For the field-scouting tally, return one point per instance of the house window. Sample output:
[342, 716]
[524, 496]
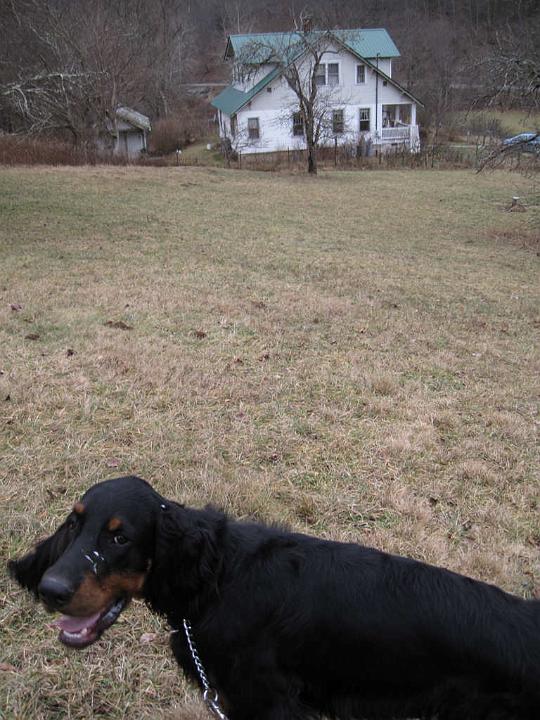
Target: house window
[365, 123]
[333, 74]
[320, 74]
[360, 74]
[337, 122]
[253, 128]
[327, 74]
[238, 73]
[298, 124]
[233, 125]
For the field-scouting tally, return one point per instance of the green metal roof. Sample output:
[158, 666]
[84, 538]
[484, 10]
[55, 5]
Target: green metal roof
[231, 100]
[257, 47]
[260, 48]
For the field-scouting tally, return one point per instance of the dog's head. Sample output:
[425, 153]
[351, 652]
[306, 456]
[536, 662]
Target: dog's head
[97, 560]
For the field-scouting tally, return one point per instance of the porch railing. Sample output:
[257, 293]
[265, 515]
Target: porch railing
[396, 134]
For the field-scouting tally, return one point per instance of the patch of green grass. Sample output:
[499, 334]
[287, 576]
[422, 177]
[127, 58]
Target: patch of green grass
[512, 122]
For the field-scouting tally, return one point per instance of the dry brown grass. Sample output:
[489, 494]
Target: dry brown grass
[356, 355]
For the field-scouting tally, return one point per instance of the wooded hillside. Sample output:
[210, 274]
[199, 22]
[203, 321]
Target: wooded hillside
[64, 64]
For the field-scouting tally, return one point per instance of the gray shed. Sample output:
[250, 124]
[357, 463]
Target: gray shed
[130, 132]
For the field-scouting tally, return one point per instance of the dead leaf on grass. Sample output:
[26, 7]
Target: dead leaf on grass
[147, 638]
[16, 307]
[32, 336]
[199, 334]
[113, 462]
[6, 667]
[118, 325]
[54, 492]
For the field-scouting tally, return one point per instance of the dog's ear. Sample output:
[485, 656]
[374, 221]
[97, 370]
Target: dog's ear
[186, 555]
[29, 569]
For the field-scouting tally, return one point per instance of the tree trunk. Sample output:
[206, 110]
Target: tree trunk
[311, 160]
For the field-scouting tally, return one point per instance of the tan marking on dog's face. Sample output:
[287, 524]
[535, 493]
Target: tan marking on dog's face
[114, 524]
[78, 508]
[93, 596]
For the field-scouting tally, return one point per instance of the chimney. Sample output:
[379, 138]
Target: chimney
[307, 23]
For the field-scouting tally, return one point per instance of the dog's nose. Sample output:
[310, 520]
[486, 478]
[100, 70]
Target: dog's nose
[55, 592]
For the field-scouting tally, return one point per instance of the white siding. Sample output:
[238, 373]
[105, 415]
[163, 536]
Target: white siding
[252, 79]
[275, 104]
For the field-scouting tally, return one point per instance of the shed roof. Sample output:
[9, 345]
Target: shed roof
[133, 117]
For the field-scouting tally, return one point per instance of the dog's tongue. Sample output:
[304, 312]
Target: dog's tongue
[76, 624]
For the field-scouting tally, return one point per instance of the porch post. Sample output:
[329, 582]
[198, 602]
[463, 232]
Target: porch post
[397, 117]
[413, 113]
[378, 122]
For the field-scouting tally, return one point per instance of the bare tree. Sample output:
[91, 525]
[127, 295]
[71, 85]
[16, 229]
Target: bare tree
[511, 70]
[298, 57]
[79, 60]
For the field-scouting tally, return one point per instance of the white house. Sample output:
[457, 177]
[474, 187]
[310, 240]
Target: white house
[363, 105]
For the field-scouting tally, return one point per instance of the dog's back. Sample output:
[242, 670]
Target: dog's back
[368, 634]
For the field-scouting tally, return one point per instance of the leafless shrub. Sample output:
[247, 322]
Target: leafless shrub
[187, 125]
[348, 157]
[28, 150]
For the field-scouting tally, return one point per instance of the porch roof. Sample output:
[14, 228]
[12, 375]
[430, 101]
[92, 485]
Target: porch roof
[230, 100]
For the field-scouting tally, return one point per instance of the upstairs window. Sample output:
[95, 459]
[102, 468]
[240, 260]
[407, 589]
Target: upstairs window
[253, 128]
[337, 122]
[238, 73]
[333, 74]
[298, 124]
[360, 74]
[320, 75]
[327, 74]
[365, 121]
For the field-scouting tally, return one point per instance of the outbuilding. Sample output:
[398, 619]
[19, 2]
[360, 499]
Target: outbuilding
[129, 130]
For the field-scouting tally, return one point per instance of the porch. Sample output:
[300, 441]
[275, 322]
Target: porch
[401, 136]
[399, 128]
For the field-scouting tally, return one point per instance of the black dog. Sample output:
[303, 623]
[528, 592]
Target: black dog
[289, 626]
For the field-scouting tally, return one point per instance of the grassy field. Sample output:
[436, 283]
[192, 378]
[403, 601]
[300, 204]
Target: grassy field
[356, 355]
[512, 122]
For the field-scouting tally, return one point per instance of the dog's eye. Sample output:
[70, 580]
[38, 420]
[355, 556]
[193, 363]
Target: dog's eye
[120, 540]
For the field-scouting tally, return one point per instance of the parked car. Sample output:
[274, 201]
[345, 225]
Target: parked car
[528, 142]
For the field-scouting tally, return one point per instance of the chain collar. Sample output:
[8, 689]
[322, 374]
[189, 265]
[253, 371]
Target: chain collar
[210, 694]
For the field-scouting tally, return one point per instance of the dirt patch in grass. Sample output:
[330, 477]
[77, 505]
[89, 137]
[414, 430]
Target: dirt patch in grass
[521, 238]
[354, 355]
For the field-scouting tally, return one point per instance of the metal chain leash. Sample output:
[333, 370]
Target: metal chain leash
[210, 695]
